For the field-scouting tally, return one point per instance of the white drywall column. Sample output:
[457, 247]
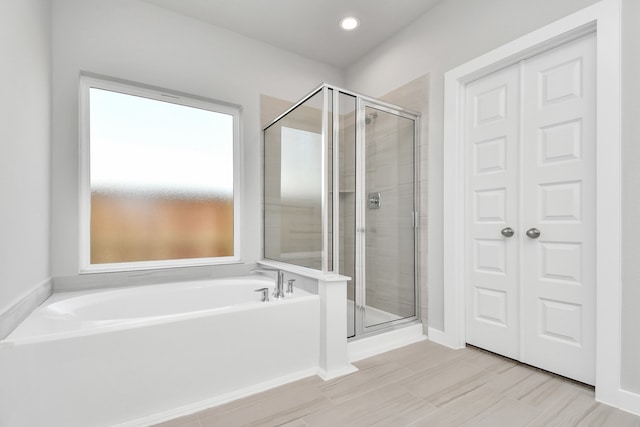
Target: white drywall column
[333, 357]
[334, 360]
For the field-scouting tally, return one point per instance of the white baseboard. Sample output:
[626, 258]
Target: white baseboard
[439, 337]
[336, 373]
[624, 400]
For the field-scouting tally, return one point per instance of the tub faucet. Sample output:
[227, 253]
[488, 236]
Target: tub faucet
[265, 294]
[290, 287]
[278, 292]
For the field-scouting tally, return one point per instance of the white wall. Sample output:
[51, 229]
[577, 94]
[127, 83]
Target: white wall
[630, 370]
[25, 85]
[143, 43]
[450, 34]
[456, 31]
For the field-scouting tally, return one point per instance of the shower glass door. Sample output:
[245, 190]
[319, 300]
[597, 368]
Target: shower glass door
[387, 209]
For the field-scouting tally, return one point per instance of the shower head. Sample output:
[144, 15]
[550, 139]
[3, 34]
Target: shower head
[370, 116]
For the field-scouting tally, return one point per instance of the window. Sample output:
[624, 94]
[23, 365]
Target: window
[159, 178]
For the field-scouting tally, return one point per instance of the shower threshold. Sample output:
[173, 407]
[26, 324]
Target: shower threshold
[384, 341]
[373, 316]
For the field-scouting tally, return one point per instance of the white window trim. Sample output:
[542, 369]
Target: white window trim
[88, 81]
[604, 17]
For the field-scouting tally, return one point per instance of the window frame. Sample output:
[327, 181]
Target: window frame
[89, 81]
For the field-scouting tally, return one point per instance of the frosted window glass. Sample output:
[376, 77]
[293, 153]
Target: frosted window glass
[161, 179]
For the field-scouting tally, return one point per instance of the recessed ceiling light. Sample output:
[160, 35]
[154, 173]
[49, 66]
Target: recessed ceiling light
[349, 23]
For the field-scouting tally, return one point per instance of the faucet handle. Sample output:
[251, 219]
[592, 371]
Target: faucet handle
[265, 294]
[290, 286]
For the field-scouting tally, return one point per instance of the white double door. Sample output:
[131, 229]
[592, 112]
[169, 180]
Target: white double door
[530, 195]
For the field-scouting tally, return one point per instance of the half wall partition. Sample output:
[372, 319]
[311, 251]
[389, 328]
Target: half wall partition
[340, 174]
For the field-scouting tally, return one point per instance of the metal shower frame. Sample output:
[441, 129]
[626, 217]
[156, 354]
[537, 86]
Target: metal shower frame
[331, 105]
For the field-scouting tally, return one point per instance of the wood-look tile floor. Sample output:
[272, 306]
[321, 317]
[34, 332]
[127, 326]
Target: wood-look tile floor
[423, 384]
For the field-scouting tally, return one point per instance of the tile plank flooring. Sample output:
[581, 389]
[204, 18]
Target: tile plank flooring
[423, 384]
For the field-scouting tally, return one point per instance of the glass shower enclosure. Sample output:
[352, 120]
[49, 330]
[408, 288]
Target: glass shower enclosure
[340, 175]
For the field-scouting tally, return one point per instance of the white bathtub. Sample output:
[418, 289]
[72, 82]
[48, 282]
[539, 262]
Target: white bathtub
[141, 355]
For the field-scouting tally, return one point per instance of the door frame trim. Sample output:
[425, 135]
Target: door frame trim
[603, 18]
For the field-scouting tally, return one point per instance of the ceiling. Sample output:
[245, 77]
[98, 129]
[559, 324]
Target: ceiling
[308, 27]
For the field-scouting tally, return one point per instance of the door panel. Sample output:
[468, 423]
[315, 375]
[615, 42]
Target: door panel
[491, 141]
[530, 138]
[558, 269]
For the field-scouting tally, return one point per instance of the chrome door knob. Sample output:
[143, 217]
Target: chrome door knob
[507, 232]
[533, 233]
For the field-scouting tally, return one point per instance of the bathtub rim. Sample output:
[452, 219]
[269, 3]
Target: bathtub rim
[126, 324]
